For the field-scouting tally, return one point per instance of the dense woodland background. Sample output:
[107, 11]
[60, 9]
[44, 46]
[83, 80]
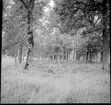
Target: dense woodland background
[75, 29]
[55, 51]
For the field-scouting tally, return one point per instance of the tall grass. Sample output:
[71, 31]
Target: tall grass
[83, 84]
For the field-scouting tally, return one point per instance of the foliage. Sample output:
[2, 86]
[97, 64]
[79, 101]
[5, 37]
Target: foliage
[15, 22]
[88, 14]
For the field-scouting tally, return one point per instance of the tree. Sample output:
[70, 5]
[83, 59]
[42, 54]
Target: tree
[29, 6]
[12, 27]
[18, 23]
[75, 14]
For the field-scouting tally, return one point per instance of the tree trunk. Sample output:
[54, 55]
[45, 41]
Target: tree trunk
[60, 56]
[56, 57]
[20, 52]
[23, 55]
[77, 56]
[52, 57]
[105, 60]
[105, 37]
[15, 57]
[90, 57]
[15, 60]
[101, 56]
[74, 54]
[64, 55]
[87, 54]
[29, 33]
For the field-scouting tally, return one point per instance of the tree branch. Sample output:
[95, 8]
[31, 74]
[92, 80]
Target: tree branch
[25, 45]
[24, 4]
[10, 45]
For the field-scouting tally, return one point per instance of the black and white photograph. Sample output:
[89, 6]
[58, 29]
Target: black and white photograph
[55, 51]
